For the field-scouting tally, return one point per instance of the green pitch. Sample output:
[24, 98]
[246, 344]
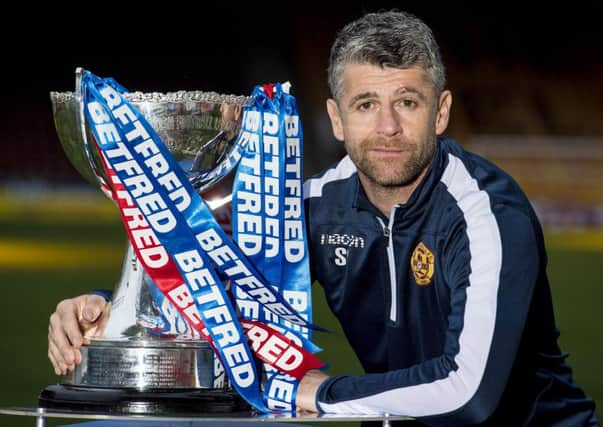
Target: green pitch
[53, 249]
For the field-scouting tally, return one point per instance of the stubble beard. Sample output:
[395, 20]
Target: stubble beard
[394, 173]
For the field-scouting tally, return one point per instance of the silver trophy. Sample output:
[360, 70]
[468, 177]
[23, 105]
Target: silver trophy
[134, 368]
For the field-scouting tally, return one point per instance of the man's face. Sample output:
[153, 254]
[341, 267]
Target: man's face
[388, 119]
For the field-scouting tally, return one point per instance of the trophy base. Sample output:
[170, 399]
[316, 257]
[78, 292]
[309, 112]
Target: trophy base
[132, 401]
[147, 364]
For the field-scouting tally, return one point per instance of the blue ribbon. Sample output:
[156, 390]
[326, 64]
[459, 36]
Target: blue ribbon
[269, 223]
[118, 127]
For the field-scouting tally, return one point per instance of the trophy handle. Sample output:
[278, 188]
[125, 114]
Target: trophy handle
[80, 120]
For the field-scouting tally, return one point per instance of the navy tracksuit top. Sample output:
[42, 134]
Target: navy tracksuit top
[446, 303]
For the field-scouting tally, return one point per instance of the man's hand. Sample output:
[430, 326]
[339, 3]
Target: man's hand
[307, 389]
[74, 321]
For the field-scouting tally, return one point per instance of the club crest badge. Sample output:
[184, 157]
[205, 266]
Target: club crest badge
[422, 264]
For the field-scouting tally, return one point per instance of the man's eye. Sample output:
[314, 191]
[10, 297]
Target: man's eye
[365, 106]
[409, 103]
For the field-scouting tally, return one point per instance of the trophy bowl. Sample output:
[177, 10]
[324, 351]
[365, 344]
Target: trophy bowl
[133, 368]
[199, 128]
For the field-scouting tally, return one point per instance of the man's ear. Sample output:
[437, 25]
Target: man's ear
[335, 116]
[443, 113]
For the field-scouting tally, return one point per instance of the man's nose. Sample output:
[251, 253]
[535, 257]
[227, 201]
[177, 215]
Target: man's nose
[388, 121]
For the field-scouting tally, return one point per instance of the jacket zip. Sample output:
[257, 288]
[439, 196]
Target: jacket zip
[387, 233]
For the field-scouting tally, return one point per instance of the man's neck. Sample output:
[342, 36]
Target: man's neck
[386, 197]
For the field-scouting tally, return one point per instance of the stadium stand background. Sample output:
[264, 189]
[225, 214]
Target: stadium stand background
[514, 69]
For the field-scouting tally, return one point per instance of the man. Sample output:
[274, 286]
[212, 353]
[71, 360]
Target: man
[431, 257]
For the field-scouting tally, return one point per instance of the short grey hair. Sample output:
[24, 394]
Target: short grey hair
[386, 39]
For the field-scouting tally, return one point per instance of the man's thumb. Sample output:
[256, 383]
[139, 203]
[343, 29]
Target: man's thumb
[91, 312]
